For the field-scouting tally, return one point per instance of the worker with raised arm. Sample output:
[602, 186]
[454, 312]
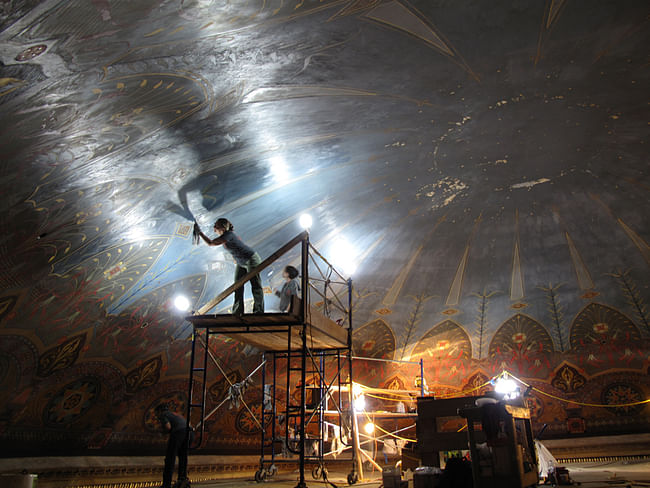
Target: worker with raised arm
[245, 257]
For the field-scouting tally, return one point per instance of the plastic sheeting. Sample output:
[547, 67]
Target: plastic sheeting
[546, 459]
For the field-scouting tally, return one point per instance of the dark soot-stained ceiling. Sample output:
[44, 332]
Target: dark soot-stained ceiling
[480, 159]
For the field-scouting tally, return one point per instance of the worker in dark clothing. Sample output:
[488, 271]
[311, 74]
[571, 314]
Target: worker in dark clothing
[247, 260]
[177, 445]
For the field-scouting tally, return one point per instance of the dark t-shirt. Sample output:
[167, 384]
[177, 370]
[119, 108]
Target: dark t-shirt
[176, 421]
[240, 251]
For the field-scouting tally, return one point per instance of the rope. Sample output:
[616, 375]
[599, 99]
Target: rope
[461, 393]
[500, 375]
[409, 397]
[620, 405]
[386, 432]
[382, 398]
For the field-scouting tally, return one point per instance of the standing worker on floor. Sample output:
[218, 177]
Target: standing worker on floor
[246, 259]
[177, 445]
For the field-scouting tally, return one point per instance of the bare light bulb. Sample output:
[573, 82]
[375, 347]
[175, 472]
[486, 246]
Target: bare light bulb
[506, 386]
[182, 303]
[305, 221]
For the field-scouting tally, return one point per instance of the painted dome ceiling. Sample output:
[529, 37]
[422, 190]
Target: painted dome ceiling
[486, 165]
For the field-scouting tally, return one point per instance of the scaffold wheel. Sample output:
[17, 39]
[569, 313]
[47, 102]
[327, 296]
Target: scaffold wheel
[353, 478]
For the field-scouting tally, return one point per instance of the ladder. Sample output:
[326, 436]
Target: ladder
[198, 378]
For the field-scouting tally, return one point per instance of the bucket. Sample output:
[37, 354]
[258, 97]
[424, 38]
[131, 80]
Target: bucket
[18, 480]
[426, 477]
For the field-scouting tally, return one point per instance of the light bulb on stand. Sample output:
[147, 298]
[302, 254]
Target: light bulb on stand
[506, 386]
[305, 221]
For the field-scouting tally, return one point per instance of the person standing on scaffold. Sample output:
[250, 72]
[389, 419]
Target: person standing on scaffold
[247, 260]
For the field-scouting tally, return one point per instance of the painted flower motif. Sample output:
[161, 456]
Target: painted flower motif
[601, 328]
[72, 401]
[518, 338]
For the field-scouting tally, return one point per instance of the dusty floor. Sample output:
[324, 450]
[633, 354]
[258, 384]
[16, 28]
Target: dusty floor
[615, 473]
[632, 474]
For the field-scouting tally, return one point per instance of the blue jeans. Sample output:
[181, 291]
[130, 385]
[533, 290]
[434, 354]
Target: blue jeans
[256, 287]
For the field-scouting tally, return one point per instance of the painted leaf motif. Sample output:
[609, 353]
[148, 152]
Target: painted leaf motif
[61, 356]
[144, 376]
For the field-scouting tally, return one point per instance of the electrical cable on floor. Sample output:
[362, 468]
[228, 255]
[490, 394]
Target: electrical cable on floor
[326, 479]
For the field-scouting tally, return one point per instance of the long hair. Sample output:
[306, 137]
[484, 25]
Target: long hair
[224, 224]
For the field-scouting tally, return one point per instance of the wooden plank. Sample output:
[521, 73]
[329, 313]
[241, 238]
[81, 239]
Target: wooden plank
[322, 332]
[326, 329]
[518, 412]
[263, 341]
[246, 320]
[263, 265]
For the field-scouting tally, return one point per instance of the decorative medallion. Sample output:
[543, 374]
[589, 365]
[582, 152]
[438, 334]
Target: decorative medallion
[446, 340]
[61, 356]
[31, 52]
[374, 340]
[384, 311]
[620, 395]
[72, 401]
[144, 376]
[568, 379]
[598, 324]
[521, 334]
[245, 423]
[450, 311]
[518, 306]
